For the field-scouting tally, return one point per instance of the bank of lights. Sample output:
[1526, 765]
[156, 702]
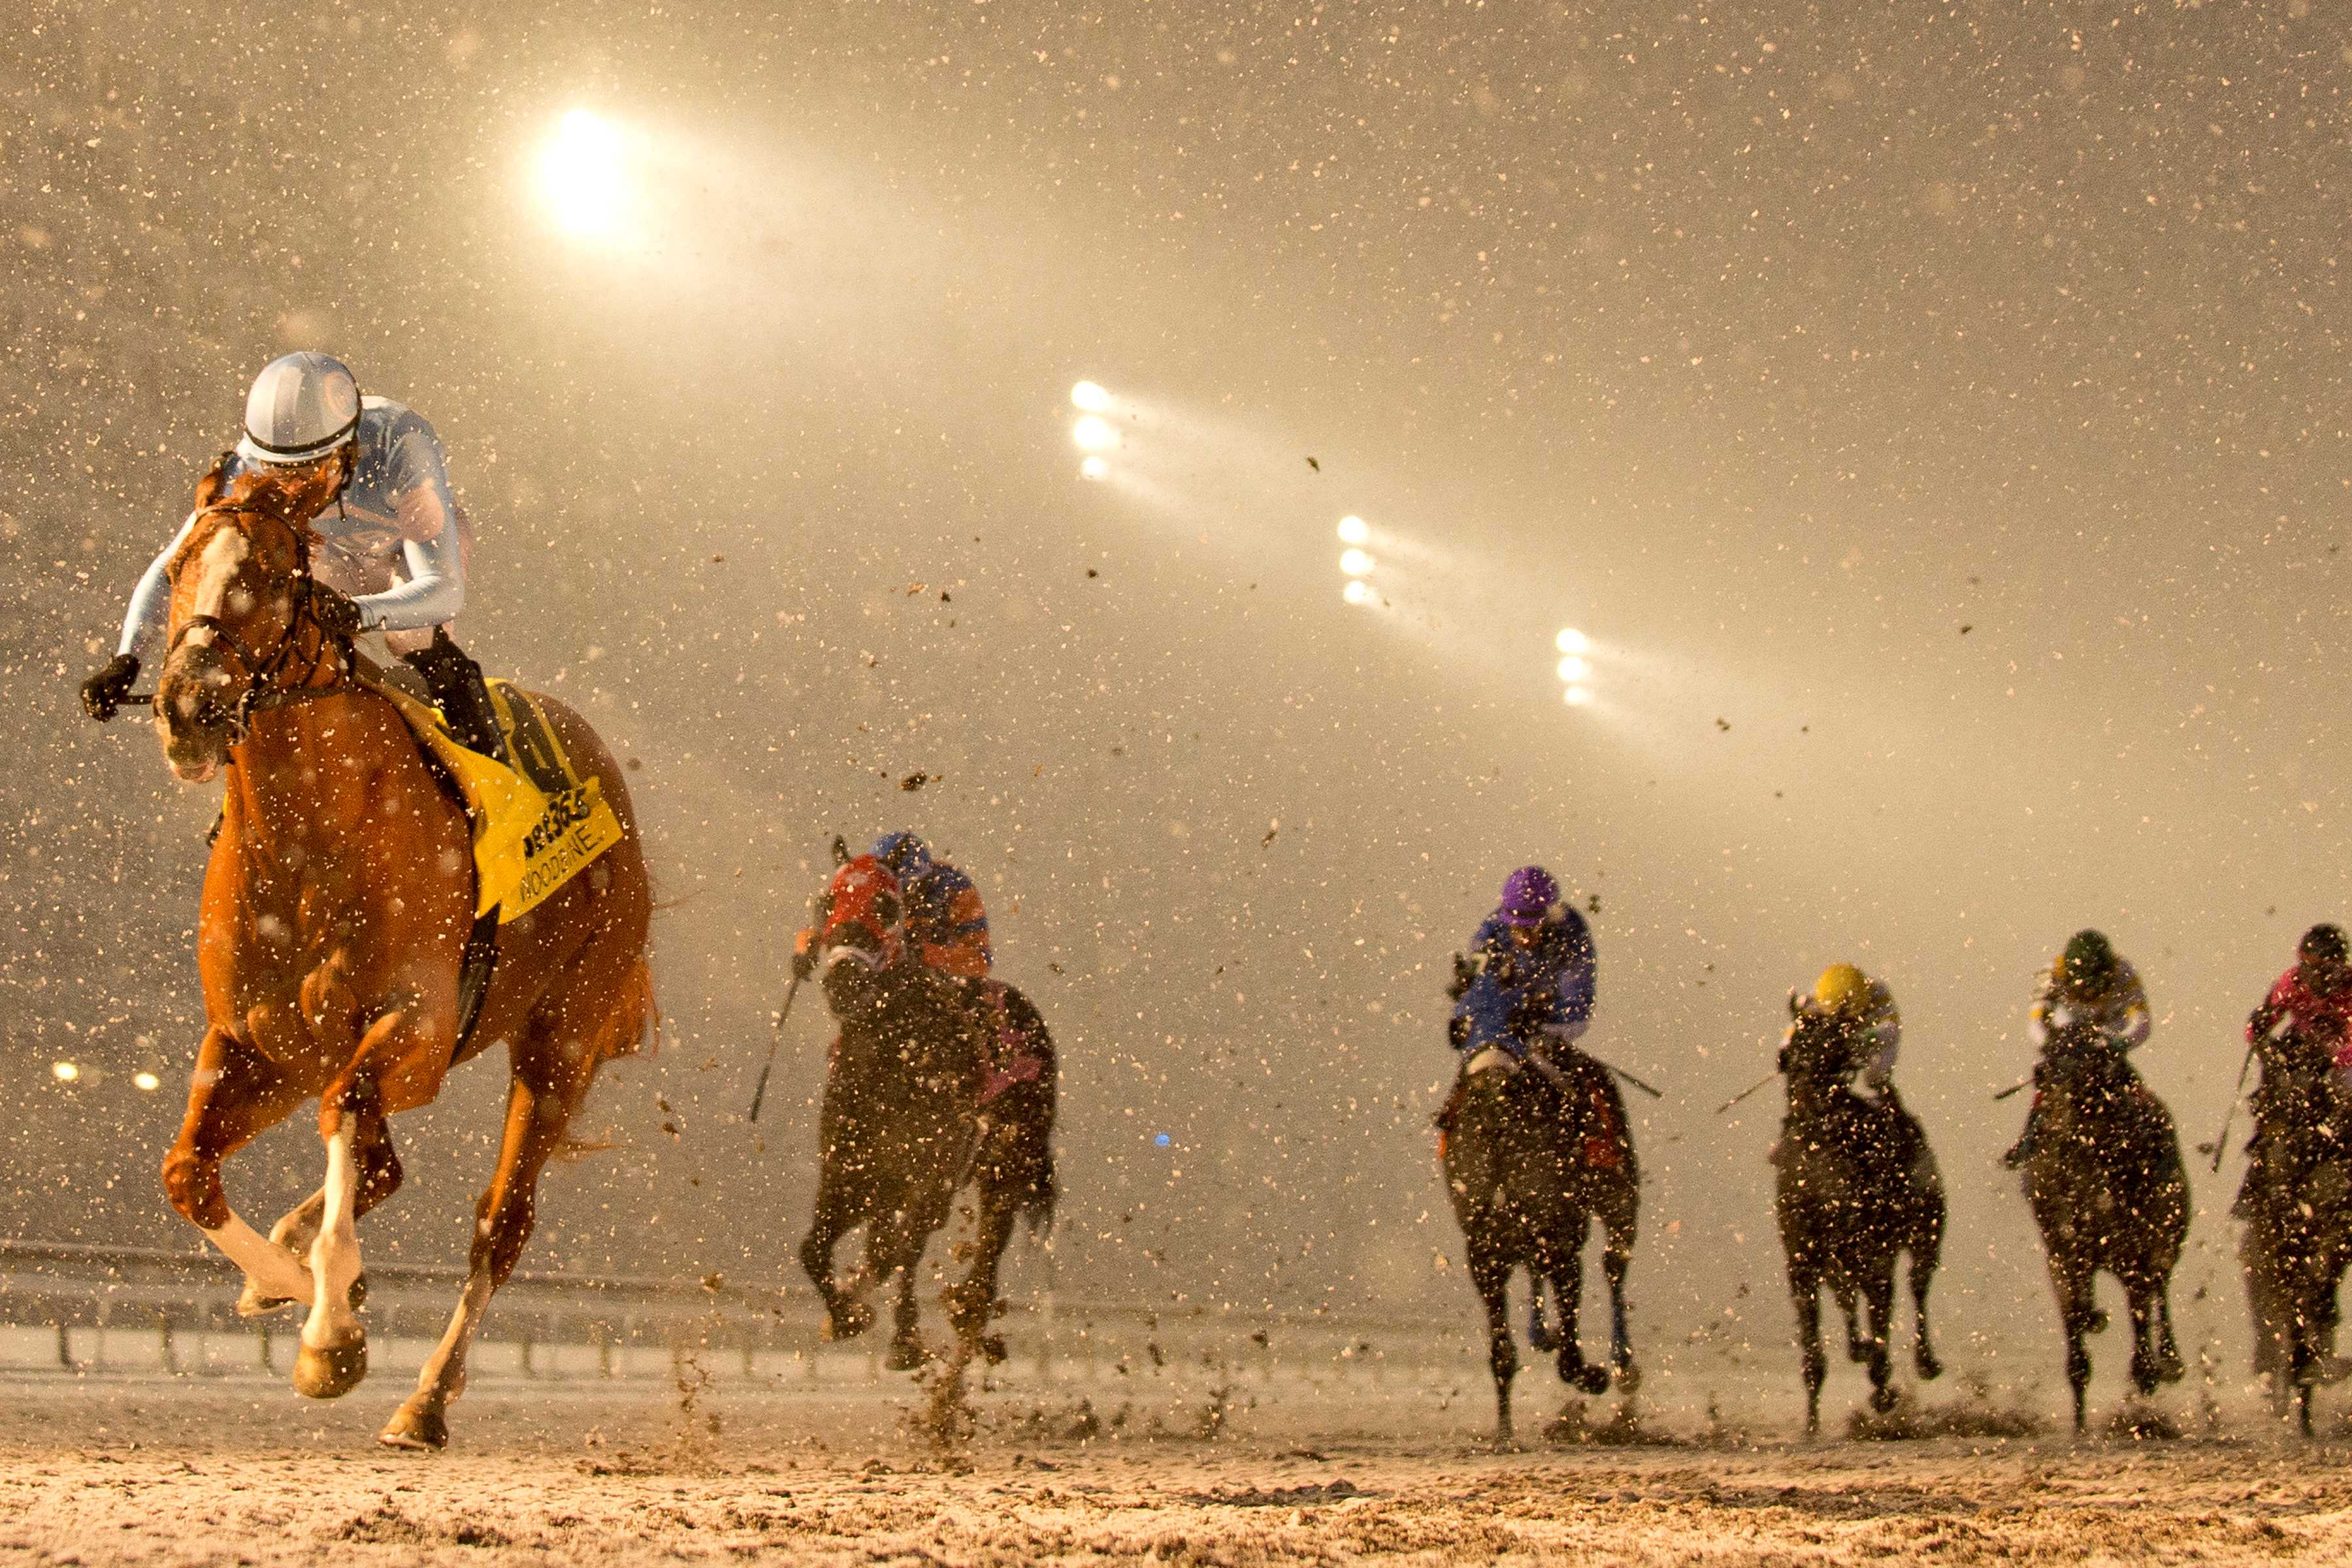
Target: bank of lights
[147, 1082]
[65, 1072]
[1356, 564]
[1574, 669]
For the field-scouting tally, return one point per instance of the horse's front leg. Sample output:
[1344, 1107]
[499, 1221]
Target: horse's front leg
[1805, 1292]
[237, 1093]
[333, 1356]
[1568, 1294]
[1616, 1260]
[1492, 1279]
[845, 1317]
[1879, 1298]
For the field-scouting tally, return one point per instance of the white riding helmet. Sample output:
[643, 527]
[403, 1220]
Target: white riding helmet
[302, 406]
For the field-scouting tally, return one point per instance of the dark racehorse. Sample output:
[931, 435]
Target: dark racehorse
[2298, 1205]
[1856, 1187]
[2108, 1191]
[904, 1128]
[1534, 1154]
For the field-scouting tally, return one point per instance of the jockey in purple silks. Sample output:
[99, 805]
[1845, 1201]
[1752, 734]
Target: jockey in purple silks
[1529, 974]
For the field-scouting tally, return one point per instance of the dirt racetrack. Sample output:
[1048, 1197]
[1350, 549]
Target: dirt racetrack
[238, 1471]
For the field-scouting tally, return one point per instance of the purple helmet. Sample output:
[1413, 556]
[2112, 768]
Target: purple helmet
[1527, 893]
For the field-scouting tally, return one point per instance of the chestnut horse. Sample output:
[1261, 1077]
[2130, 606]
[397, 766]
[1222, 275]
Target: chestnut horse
[336, 908]
[904, 1125]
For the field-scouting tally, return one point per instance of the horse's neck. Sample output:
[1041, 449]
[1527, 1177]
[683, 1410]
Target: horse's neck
[302, 778]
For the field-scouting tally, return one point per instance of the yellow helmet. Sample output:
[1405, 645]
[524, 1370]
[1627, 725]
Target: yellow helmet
[1841, 989]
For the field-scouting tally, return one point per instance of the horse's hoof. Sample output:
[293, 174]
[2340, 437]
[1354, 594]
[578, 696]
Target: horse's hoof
[331, 1372]
[416, 1425]
[1882, 1399]
[992, 1348]
[906, 1355]
[1584, 1377]
[848, 1322]
[1629, 1376]
[2096, 1323]
[1929, 1368]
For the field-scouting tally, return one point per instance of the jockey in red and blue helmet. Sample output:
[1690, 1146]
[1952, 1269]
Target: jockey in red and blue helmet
[945, 920]
[1531, 972]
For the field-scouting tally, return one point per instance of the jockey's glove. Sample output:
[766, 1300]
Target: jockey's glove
[103, 692]
[803, 964]
[337, 612]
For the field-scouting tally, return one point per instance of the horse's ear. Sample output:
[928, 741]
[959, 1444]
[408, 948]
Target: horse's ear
[214, 482]
[840, 855]
[1793, 1008]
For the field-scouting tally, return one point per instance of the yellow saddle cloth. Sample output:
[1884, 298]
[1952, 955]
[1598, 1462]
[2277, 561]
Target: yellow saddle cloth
[536, 825]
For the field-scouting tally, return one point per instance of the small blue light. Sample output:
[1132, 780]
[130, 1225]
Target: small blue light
[1160, 1139]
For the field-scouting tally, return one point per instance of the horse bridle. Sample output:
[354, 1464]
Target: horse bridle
[261, 691]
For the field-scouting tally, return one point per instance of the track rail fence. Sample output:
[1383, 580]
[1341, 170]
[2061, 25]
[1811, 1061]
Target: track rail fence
[79, 1308]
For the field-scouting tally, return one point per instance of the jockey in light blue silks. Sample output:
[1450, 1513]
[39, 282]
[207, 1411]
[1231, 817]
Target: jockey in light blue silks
[391, 549]
[1529, 974]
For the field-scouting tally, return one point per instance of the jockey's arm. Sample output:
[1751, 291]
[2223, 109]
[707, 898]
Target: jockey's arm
[151, 601]
[433, 593]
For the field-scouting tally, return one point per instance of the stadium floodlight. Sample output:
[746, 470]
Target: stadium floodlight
[65, 1072]
[1574, 668]
[1570, 640]
[1093, 468]
[1093, 433]
[1355, 563]
[1354, 531]
[580, 174]
[147, 1081]
[1091, 396]
[1577, 697]
[1357, 591]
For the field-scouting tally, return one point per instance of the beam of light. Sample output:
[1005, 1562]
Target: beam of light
[1574, 668]
[65, 1072]
[1357, 591]
[1093, 468]
[1354, 531]
[1355, 563]
[1577, 697]
[1091, 396]
[1570, 640]
[1094, 433]
[580, 174]
[147, 1081]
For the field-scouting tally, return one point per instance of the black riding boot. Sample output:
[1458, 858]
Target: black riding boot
[458, 690]
[2029, 1140]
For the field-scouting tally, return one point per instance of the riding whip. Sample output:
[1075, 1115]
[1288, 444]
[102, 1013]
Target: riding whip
[1629, 1077]
[1744, 1093]
[2222, 1144]
[760, 1094]
[2025, 1082]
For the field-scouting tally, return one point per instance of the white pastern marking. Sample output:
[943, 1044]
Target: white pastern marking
[276, 1273]
[335, 1256]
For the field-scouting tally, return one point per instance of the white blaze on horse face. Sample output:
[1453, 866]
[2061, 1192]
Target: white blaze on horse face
[335, 1256]
[216, 568]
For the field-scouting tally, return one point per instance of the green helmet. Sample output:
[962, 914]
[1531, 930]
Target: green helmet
[2088, 962]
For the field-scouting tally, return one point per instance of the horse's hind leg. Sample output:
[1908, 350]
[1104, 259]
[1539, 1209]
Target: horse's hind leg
[894, 1244]
[971, 1304]
[551, 1066]
[1857, 1349]
[1619, 1225]
[1568, 1291]
[236, 1094]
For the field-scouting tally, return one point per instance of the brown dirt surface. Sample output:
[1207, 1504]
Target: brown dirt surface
[153, 1473]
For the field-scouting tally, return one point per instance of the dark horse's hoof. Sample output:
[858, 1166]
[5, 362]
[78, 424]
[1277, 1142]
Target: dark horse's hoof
[1584, 1377]
[906, 1355]
[1882, 1399]
[1929, 1368]
[991, 1347]
[848, 1320]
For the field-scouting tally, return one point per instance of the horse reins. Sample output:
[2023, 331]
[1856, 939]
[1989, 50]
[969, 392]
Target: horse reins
[261, 693]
